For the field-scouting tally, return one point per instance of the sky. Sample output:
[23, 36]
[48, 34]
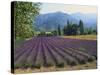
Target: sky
[49, 8]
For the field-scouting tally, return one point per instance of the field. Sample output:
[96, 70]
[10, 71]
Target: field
[83, 37]
[55, 52]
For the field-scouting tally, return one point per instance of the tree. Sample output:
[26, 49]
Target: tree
[54, 33]
[59, 30]
[94, 31]
[70, 29]
[74, 29]
[81, 27]
[67, 28]
[24, 14]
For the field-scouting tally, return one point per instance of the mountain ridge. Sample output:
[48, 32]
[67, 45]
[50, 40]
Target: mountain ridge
[50, 21]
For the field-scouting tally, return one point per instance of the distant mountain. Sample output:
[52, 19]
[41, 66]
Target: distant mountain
[89, 20]
[50, 21]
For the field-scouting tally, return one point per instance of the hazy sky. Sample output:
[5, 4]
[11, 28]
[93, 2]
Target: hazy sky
[48, 7]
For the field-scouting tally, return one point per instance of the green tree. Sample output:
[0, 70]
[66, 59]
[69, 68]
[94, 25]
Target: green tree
[59, 30]
[67, 29]
[81, 27]
[74, 29]
[70, 29]
[54, 33]
[24, 14]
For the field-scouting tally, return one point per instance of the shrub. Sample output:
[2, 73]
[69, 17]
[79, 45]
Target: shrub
[82, 61]
[18, 66]
[90, 59]
[25, 65]
[49, 64]
[38, 66]
[60, 64]
[32, 66]
[73, 63]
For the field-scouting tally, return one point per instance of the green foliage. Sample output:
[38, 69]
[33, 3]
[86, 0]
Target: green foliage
[49, 34]
[70, 29]
[49, 64]
[67, 29]
[90, 30]
[94, 31]
[54, 33]
[73, 63]
[90, 59]
[42, 33]
[24, 65]
[24, 14]
[60, 64]
[17, 66]
[82, 61]
[59, 30]
[81, 27]
[74, 29]
[38, 66]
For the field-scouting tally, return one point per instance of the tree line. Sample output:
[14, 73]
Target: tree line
[70, 29]
[75, 29]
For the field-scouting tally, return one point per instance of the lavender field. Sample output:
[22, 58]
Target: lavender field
[53, 37]
[54, 51]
